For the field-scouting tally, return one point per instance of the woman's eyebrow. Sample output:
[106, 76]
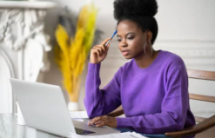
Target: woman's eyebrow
[126, 34]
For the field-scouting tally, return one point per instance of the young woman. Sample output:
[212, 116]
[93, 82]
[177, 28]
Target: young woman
[152, 88]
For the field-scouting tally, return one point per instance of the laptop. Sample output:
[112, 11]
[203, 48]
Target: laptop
[43, 107]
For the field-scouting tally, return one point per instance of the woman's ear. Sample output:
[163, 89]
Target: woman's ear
[149, 36]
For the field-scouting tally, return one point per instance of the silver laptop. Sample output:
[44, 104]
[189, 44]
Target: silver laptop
[44, 108]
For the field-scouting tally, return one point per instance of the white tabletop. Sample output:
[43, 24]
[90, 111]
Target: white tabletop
[10, 129]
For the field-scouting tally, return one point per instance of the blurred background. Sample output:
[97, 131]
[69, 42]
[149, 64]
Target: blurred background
[186, 27]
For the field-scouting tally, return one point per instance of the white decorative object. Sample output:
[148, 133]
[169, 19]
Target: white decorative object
[73, 106]
[20, 118]
[22, 31]
[6, 72]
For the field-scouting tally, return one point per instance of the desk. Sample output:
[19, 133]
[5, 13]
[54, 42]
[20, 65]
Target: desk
[10, 129]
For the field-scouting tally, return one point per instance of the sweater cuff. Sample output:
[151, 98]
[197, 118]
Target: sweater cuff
[123, 122]
[92, 67]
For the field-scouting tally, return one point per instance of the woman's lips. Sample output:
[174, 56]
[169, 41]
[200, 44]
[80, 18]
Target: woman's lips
[125, 53]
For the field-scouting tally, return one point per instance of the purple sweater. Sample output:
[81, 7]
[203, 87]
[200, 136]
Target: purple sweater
[155, 99]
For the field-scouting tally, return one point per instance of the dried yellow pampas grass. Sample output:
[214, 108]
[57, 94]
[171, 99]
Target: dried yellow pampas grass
[71, 52]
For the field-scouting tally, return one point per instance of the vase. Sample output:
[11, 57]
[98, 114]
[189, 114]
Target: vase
[73, 106]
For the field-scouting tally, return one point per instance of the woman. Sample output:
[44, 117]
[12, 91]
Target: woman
[152, 88]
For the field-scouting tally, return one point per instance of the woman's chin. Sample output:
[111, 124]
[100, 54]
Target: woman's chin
[127, 57]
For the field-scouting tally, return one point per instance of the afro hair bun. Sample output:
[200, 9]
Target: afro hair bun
[134, 8]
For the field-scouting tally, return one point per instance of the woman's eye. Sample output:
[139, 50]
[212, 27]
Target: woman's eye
[118, 40]
[130, 38]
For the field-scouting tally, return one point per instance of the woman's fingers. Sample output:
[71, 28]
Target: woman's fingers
[96, 51]
[94, 120]
[99, 121]
[108, 45]
[105, 41]
[104, 49]
[100, 124]
[91, 122]
[101, 49]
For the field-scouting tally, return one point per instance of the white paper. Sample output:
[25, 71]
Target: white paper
[120, 135]
[78, 114]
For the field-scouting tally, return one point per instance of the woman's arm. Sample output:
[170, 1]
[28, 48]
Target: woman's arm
[101, 101]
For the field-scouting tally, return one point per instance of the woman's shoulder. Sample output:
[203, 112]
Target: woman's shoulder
[171, 59]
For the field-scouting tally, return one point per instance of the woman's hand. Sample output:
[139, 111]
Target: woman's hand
[99, 52]
[103, 121]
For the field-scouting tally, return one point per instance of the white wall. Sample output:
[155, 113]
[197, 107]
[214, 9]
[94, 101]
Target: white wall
[186, 27]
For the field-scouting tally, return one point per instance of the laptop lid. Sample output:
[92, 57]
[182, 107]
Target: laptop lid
[43, 107]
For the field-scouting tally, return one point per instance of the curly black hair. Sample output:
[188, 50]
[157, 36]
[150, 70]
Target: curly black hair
[140, 11]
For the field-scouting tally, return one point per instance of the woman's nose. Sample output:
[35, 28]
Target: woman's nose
[123, 44]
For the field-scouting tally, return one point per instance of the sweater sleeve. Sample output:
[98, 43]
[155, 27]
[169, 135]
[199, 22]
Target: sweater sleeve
[101, 101]
[173, 109]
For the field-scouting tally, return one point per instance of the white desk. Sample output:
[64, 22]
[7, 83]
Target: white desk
[10, 129]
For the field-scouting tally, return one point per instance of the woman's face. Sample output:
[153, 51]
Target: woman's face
[131, 39]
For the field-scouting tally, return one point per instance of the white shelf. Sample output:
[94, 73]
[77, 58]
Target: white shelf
[27, 4]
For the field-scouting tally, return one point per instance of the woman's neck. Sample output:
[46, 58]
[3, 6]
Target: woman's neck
[144, 60]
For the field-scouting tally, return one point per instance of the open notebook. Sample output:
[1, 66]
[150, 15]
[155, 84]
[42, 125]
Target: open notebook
[120, 135]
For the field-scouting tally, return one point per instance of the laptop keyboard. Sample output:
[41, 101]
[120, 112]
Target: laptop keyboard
[83, 132]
